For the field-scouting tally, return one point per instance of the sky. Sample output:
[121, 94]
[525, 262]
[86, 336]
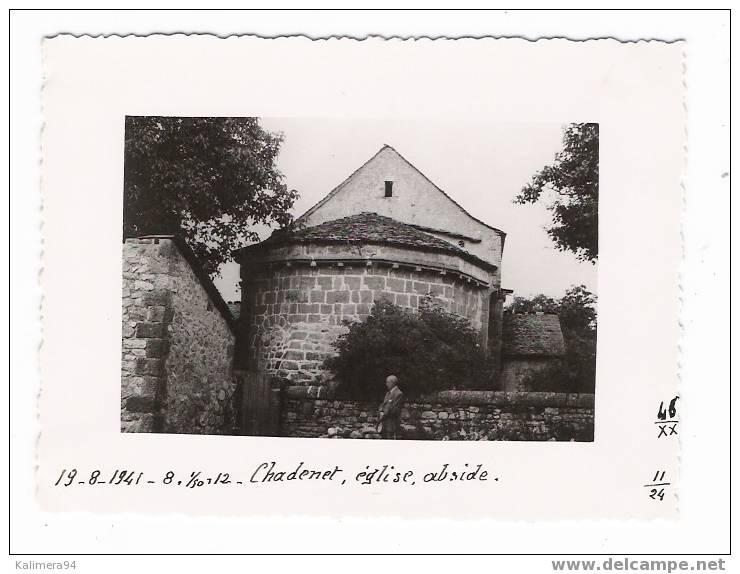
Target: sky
[482, 166]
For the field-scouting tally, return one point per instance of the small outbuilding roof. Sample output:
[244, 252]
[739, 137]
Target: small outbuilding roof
[366, 227]
[532, 336]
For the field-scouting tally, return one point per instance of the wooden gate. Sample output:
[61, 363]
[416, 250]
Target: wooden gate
[260, 406]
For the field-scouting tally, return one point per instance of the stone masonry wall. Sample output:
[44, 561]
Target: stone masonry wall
[516, 371]
[293, 314]
[449, 415]
[176, 371]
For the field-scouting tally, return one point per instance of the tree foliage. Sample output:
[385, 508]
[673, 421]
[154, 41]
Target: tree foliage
[429, 350]
[577, 312]
[207, 179]
[573, 181]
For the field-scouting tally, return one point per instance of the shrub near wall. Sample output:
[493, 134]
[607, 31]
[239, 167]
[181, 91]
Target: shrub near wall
[447, 415]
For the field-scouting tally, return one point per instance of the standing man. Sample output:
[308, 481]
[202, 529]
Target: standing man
[389, 412]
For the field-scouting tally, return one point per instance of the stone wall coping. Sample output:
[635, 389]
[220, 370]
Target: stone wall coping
[498, 398]
[203, 278]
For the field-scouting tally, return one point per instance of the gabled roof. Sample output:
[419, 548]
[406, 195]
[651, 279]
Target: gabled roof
[337, 189]
[532, 336]
[366, 227]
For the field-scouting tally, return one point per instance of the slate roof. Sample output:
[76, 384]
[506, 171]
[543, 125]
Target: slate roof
[367, 227]
[532, 336]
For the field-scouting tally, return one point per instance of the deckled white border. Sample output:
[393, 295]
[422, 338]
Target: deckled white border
[634, 91]
[635, 528]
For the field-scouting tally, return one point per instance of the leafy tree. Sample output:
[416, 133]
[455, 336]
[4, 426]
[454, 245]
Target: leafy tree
[573, 180]
[429, 350]
[206, 179]
[577, 312]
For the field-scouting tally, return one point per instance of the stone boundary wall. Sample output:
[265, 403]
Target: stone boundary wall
[294, 314]
[448, 415]
[177, 343]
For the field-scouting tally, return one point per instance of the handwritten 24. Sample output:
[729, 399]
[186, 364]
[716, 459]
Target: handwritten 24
[272, 473]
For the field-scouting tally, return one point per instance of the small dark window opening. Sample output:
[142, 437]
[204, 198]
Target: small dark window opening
[389, 189]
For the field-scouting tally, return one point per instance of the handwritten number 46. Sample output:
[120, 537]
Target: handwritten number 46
[662, 414]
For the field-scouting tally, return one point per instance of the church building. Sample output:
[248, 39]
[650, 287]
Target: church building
[386, 232]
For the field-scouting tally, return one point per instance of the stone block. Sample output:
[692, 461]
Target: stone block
[402, 299]
[397, 285]
[306, 283]
[421, 287]
[136, 314]
[156, 313]
[352, 282]
[146, 330]
[349, 309]
[380, 270]
[156, 297]
[134, 343]
[374, 282]
[366, 296]
[317, 296]
[147, 366]
[324, 283]
[337, 297]
[142, 404]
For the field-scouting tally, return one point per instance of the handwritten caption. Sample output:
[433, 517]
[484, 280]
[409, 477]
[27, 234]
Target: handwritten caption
[272, 473]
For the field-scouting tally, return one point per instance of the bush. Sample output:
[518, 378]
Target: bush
[428, 351]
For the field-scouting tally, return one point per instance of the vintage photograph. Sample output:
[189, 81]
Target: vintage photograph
[354, 279]
[379, 283]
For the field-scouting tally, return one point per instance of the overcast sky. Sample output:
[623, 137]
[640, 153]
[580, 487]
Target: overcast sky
[481, 166]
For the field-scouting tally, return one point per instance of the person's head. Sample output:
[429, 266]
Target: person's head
[391, 381]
